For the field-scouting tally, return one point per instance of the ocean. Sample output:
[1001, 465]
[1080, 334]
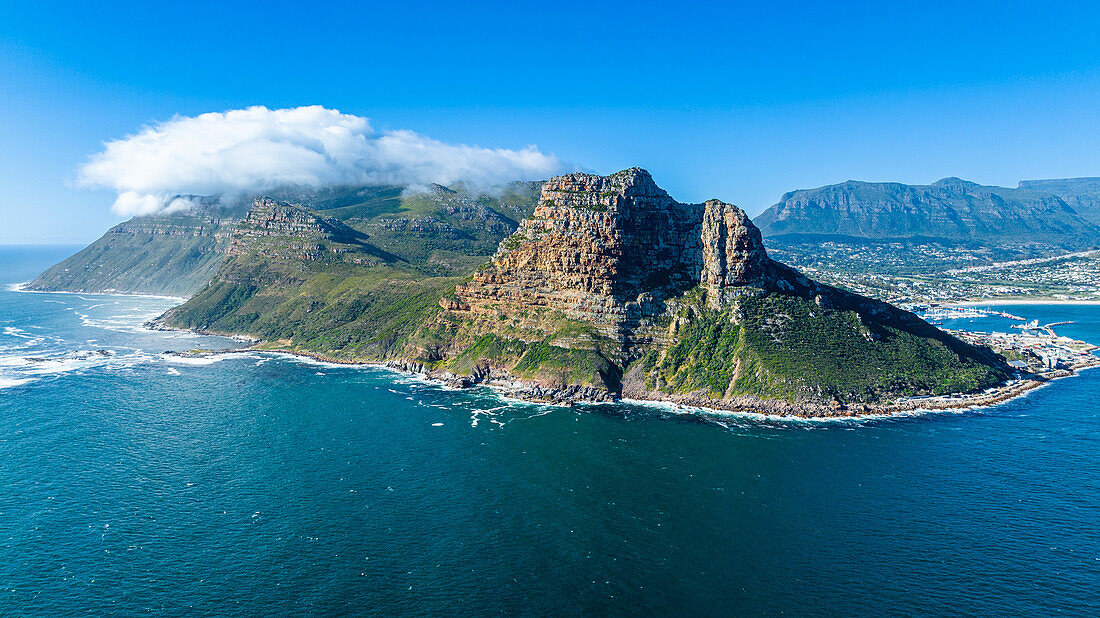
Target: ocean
[135, 482]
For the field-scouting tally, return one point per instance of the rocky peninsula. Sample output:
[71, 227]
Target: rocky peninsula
[609, 289]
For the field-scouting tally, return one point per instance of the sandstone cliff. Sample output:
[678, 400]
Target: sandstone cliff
[610, 251]
[609, 288]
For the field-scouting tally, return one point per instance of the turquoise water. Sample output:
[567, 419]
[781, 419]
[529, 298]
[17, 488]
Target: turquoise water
[261, 484]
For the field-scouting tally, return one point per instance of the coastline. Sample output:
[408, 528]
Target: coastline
[510, 387]
[22, 287]
[1032, 301]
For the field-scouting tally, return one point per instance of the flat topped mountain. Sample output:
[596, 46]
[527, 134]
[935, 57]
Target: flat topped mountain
[951, 210]
[613, 287]
[1082, 194]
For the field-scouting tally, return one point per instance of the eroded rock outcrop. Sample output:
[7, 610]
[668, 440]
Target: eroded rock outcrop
[733, 253]
[609, 250]
[269, 219]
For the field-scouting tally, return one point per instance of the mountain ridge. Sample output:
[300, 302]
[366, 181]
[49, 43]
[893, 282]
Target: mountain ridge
[950, 209]
[176, 254]
[1082, 194]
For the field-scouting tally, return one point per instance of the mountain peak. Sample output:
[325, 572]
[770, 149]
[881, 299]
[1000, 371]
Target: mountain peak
[956, 183]
[633, 182]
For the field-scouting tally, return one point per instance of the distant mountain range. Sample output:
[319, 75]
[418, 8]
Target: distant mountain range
[448, 231]
[1053, 215]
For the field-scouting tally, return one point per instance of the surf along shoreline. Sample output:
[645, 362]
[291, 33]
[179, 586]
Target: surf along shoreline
[634, 392]
[509, 386]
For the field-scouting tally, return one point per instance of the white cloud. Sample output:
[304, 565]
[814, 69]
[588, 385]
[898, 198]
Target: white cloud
[256, 149]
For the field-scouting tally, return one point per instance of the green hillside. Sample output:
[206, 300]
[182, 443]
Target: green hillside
[173, 255]
[441, 232]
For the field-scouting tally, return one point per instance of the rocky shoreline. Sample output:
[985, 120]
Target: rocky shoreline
[635, 392]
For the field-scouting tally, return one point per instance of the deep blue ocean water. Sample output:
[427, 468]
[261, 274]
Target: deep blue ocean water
[261, 484]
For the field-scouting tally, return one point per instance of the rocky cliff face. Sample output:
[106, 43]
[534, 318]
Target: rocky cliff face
[610, 250]
[610, 287]
[1082, 194]
[732, 252]
[289, 232]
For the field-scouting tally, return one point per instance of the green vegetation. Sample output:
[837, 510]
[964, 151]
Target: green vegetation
[567, 365]
[319, 287]
[511, 243]
[354, 313]
[441, 233]
[365, 273]
[174, 255]
[789, 348]
[539, 361]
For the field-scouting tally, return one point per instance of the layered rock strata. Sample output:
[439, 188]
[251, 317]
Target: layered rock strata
[609, 250]
[271, 219]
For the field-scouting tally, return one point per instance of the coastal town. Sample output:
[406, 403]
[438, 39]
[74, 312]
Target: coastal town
[1031, 346]
[902, 274]
[1034, 350]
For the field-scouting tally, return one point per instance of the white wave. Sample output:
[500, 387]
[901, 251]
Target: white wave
[24, 344]
[207, 359]
[58, 365]
[13, 382]
[747, 418]
[119, 323]
[82, 360]
[517, 402]
[14, 361]
[17, 332]
[744, 415]
[46, 364]
[314, 362]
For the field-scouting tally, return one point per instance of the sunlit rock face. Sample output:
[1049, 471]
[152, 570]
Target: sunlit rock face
[612, 249]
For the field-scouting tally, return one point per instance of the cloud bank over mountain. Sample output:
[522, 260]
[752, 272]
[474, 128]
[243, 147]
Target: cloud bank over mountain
[256, 149]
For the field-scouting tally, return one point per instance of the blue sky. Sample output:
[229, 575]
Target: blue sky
[737, 101]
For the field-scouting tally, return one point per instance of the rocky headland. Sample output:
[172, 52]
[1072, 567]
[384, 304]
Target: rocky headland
[612, 288]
